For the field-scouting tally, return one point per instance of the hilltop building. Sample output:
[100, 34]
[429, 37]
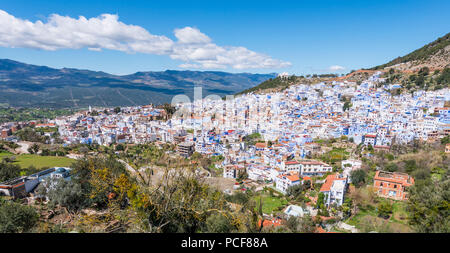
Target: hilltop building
[392, 184]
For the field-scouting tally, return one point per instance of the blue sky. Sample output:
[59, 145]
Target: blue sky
[271, 36]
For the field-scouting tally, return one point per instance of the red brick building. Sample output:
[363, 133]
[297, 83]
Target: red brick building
[392, 184]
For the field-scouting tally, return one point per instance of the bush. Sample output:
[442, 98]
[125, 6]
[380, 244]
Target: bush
[16, 218]
[428, 207]
[8, 170]
[384, 209]
[218, 223]
[64, 193]
[358, 177]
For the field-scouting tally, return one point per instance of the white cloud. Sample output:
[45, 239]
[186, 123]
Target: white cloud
[192, 47]
[103, 32]
[189, 35]
[197, 48]
[336, 68]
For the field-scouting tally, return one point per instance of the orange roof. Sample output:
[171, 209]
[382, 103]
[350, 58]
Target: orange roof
[328, 183]
[395, 177]
[275, 222]
[314, 163]
[260, 145]
[293, 177]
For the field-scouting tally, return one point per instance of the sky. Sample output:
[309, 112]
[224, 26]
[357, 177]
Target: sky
[298, 37]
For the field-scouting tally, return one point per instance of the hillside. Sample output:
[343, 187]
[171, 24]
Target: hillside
[25, 85]
[278, 84]
[435, 56]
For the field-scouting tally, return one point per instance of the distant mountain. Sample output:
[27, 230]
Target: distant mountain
[435, 56]
[25, 85]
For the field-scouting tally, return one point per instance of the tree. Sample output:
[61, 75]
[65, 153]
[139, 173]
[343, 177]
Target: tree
[384, 209]
[303, 224]
[16, 218]
[347, 105]
[358, 177]
[218, 223]
[428, 205]
[295, 191]
[8, 170]
[68, 194]
[391, 167]
[242, 175]
[120, 147]
[117, 110]
[320, 200]
[410, 166]
[45, 152]
[35, 148]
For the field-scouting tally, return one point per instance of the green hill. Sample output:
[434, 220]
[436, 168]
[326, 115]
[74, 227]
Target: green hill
[278, 84]
[434, 51]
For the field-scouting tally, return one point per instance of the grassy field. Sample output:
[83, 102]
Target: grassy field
[396, 223]
[26, 160]
[270, 204]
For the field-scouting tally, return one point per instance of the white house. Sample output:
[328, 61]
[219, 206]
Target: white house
[232, 171]
[314, 168]
[334, 189]
[291, 166]
[370, 139]
[284, 181]
[296, 211]
[350, 165]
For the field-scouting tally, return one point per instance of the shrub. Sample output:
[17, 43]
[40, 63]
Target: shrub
[16, 218]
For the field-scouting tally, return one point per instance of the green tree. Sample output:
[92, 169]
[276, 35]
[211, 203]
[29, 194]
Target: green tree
[65, 193]
[117, 110]
[218, 223]
[8, 170]
[320, 200]
[16, 218]
[35, 148]
[445, 140]
[392, 167]
[429, 208]
[358, 177]
[120, 147]
[347, 105]
[384, 209]
[303, 224]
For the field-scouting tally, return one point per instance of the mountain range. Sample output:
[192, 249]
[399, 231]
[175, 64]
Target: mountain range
[25, 85]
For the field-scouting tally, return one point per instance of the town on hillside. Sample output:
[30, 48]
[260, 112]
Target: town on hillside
[327, 157]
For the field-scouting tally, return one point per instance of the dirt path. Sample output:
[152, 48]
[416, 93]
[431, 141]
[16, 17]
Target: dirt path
[24, 145]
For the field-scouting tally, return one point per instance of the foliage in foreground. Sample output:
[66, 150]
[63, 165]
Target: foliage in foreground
[16, 218]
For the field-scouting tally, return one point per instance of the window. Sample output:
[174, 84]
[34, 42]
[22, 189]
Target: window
[395, 186]
[381, 184]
